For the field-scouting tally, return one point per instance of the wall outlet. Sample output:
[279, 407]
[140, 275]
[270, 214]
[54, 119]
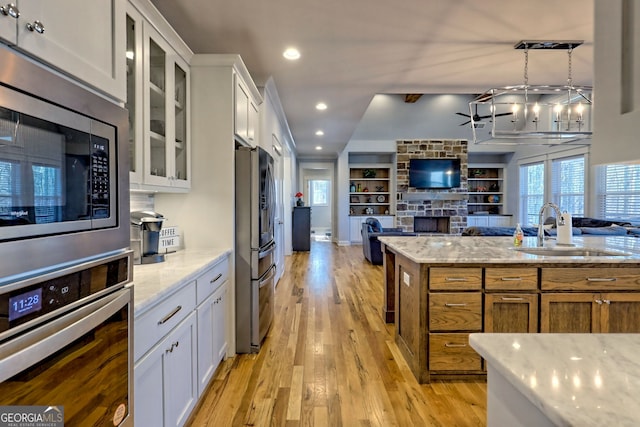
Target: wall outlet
[406, 279]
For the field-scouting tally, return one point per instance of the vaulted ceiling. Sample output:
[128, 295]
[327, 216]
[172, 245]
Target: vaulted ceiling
[353, 50]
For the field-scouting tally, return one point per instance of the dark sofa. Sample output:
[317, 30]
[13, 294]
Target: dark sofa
[370, 231]
[587, 226]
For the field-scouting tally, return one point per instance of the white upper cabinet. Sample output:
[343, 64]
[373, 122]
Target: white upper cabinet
[158, 92]
[84, 39]
[246, 113]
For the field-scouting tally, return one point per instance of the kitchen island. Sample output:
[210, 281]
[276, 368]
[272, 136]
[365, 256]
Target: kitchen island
[442, 288]
[561, 379]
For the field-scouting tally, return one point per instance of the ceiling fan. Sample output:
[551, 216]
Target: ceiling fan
[476, 117]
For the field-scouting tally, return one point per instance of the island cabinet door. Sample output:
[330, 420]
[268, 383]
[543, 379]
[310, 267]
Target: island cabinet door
[566, 313]
[511, 313]
[620, 312]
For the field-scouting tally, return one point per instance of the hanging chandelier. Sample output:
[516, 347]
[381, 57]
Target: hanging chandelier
[536, 114]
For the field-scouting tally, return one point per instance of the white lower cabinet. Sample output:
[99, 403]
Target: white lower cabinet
[212, 342]
[178, 344]
[165, 379]
[489, 221]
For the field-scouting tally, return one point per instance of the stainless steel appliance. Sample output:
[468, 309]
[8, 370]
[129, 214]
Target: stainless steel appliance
[66, 341]
[145, 237]
[255, 247]
[64, 173]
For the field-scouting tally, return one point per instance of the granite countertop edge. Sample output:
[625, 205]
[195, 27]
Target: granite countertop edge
[499, 250]
[154, 282]
[566, 403]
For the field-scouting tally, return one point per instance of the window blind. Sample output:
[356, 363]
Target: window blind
[618, 191]
[531, 192]
[567, 184]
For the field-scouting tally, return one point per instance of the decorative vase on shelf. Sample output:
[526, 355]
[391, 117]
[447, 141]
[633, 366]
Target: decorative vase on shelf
[352, 188]
[299, 202]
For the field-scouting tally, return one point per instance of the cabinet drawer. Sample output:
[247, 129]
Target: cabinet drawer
[590, 279]
[211, 279]
[161, 319]
[452, 352]
[446, 278]
[510, 279]
[455, 312]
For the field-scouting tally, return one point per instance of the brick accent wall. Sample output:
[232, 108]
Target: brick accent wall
[437, 203]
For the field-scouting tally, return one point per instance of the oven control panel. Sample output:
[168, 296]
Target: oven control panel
[34, 300]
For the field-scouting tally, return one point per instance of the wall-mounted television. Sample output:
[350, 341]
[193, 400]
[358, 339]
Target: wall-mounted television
[434, 173]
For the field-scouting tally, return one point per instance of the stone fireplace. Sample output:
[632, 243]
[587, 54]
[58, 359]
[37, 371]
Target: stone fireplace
[428, 205]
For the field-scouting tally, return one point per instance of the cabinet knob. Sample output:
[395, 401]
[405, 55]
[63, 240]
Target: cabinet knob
[36, 26]
[10, 10]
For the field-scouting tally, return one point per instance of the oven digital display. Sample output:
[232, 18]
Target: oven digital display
[26, 303]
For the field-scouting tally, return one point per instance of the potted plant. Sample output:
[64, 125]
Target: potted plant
[299, 201]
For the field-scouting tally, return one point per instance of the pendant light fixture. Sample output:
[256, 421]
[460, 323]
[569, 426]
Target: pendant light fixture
[540, 114]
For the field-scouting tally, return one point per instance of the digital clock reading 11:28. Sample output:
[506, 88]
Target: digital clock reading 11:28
[25, 303]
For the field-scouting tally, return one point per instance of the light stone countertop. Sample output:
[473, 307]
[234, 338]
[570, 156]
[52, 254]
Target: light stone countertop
[499, 250]
[152, 282]
[574, 379]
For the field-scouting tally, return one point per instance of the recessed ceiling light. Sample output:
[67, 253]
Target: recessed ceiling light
[321, 106]
[291, 54]
[319, 133]
[318, 147]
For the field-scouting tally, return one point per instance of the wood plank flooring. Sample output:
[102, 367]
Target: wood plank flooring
[330, 360]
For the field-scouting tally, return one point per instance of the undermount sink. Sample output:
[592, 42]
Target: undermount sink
[570, 252]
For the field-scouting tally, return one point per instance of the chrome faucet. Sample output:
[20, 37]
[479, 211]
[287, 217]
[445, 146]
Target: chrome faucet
[559, 220]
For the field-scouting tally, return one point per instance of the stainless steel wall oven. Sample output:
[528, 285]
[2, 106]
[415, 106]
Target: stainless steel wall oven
[64, 172]
[66, 341]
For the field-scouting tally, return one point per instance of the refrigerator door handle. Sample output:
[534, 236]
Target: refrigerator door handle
[266, 279]
[267, 250]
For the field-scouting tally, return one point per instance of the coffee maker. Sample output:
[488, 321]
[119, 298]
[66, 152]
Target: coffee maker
[145, 237]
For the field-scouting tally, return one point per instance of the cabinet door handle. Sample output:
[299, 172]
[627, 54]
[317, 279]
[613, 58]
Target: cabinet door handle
[216, 278]
[456, 279]
[174, 345]
[601, 279]
[36, 26]
[606, 301]
[10, 10]
[450, 304]
[599, 301]
[166, 318]
[452, 345]
[511, 279]
[512, 299]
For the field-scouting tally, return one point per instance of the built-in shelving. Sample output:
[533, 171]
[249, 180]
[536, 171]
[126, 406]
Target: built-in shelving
[370, 191]
[486, 190]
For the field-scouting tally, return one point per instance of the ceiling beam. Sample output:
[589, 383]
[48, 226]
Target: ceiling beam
[412, 97]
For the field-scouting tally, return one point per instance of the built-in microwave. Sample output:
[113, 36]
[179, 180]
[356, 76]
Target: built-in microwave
[64, 171]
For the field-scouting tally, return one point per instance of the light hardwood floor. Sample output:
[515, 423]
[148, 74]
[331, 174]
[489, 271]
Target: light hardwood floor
[330, 360]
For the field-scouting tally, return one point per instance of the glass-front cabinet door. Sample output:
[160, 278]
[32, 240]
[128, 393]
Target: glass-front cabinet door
[134, 102]
[158, 85]
[181, 159]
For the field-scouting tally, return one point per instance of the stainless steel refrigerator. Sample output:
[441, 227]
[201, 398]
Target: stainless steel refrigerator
[255, 247]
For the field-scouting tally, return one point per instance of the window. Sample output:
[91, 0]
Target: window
[319, 192]
[9, 183]
[567, 184]
[618, 192]
[531, 192]
[47, 193]
[559, 178]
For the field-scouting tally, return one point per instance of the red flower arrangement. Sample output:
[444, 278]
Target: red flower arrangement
[299, 194]
[299, 202]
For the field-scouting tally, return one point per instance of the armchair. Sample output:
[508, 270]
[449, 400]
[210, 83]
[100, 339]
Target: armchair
[370, 231]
